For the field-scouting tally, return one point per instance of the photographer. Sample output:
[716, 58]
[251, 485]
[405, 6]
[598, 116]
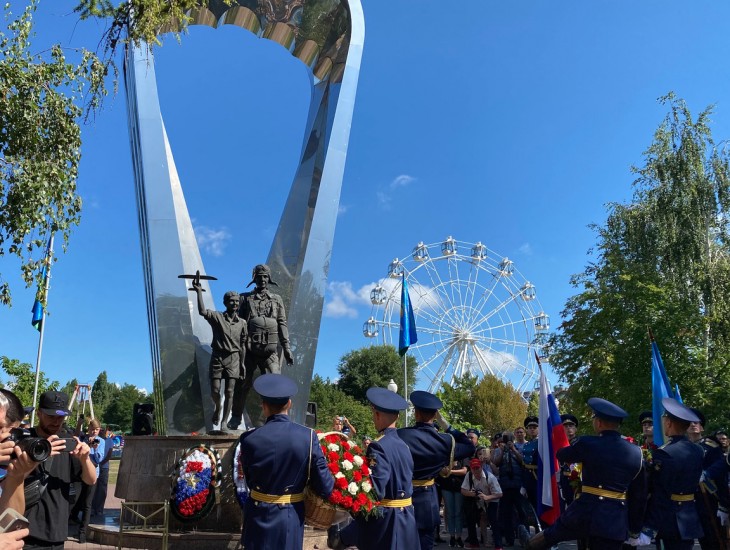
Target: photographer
[510, 463]
[342, 424]
[86, 492]
[48, 487]
[481, 493]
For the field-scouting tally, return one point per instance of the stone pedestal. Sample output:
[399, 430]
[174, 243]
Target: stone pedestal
[145, 476]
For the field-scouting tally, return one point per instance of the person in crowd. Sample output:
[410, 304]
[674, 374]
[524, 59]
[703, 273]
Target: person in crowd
[366, 440]
[85, 492]
[671, 515]
[14, 466]
[392, 475]
[473, 435]
[47, 510]
[530, 457]
[342, 424]
[453, 477]
[97, 504]
[520, 438]
[274, 511]
[510, 463]
[481, 493]
[706, 503]
[431, 451]
[567, 493]
[722, 439]
[612, 485]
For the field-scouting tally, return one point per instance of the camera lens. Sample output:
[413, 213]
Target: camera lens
[38, 449]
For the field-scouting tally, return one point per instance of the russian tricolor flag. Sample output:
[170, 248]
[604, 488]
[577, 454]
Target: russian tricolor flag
[551, 438]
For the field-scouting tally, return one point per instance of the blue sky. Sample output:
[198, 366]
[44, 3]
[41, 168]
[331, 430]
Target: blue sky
[510, 123]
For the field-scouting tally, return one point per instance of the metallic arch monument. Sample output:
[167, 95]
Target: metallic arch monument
[327, 36]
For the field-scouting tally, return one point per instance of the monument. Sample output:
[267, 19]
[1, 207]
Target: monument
[327, 36]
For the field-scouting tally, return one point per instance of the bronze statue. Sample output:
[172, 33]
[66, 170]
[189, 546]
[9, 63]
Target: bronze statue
[265, 316]
[228, 346]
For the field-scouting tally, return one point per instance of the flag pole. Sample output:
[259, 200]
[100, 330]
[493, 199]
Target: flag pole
[42, 331]
[405, 382]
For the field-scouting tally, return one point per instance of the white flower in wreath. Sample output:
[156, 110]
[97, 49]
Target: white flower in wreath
[352, 488]
[347, 465]
[333, 447]
[338, 475]
[366, 486]
[351, 444]
[357, 460]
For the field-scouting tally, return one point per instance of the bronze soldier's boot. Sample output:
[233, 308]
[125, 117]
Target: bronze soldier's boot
[537, 542]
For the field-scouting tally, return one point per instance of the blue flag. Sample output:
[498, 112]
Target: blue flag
[660, 388]
[408, 335]
[37, 310]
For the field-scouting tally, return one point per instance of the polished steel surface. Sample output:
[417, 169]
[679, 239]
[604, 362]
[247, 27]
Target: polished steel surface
[327, 36]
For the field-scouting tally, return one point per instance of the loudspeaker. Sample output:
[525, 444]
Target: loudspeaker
[310, 421]
[143, 419]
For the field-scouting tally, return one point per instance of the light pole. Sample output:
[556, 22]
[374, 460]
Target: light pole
[392, 386]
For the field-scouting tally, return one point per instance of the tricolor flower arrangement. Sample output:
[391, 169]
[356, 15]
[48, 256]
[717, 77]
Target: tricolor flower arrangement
[195, 478]
[348, 464]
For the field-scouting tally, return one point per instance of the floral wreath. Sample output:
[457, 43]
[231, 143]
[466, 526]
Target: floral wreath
[239, 481]
[195, 479]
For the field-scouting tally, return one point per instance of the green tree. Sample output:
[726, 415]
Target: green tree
[21, 380]
[103, 393]
[40, 142]
[662, 262]
[490, 404]
[119, 411]
[332, 401]
[373, 366]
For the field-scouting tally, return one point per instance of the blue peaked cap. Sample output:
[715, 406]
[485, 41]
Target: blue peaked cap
[275, 388]
[678, 411]
[606, 410]
[425, 401]
[386, 400]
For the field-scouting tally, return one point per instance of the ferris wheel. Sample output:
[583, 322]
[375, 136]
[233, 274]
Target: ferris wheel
[475, 313]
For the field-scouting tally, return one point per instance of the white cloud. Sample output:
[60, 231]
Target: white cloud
[343, 300]
[402, 181]
[211, 240]
[342, 209]
[526, 249]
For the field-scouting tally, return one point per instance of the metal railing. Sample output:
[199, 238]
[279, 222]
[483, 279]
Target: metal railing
[145, 519]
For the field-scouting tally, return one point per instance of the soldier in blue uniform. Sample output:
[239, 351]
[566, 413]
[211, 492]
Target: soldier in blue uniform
[530, 456]
[431, 452]
[671, 514]
[278, 460]
[613, 493]
[391, 467]
[567, 493]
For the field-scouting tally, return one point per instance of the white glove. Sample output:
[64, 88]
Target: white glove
[523, 491]
[644, 539]
[442, 421]
[724, 518]
[632, 541]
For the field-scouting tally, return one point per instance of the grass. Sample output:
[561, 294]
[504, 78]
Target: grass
[113, 471]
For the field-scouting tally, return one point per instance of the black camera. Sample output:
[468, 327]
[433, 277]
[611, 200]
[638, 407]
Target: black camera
[38, 449]
[507, 438]
[477, 492]
[94, 441]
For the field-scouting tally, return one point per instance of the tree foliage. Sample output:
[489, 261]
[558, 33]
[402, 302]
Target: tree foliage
[41, 98]
[489, 404]
[332, 401]
[661, 262]
[373, 366]
[21, 380]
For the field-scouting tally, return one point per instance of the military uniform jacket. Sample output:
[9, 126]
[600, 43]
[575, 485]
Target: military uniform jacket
[432, 451]
[276, 461]
[676, 471]
[610, 463]
[264, 304]
[391, 467]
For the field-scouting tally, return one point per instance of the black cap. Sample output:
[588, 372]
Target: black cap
[425, 401]
[473, 431]
[275, 388]
[568, 418]
[606, 410]
[700, 416]
[54, 403]
[531, 420]
[676, 411]
[646, 415]
[386, 401]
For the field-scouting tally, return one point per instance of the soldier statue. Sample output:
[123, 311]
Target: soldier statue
[265, 316]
